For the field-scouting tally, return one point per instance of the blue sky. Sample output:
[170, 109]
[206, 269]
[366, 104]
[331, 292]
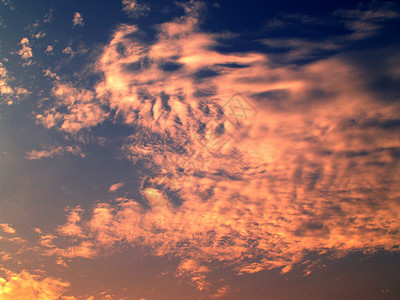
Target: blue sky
[217, 149]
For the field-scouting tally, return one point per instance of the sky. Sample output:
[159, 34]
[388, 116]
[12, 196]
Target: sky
[199, 149]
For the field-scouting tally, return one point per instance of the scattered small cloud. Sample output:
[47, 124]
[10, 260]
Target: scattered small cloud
[9, 92]
[73, 100]
[78, 20]
[48, 18]
[26, 51]
[116, 186]
[50, 74]
[67, 50]
[40, 35]
[8, 3]
[49, 49]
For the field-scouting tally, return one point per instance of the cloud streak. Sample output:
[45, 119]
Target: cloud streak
[54, 151]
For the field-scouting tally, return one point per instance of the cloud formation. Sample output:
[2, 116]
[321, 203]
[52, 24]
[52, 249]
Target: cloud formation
[74, 110]
[25, 285]
[78, 20]
[54, 151]
[133, 8]
[26, 51]
[303, 159]
[7, 228]
[9, 94]
[116, 186]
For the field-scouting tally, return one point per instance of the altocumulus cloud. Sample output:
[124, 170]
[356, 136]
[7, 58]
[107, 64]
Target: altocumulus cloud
[310, 168]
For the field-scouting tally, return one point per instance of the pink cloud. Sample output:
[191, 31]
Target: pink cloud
[307, 170]
[26, 51]
[78, 20]
[83, 110]
[9, 92]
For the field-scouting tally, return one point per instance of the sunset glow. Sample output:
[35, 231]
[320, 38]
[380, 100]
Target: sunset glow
[199, 150]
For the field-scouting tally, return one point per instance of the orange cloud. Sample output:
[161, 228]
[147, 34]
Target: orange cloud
[54, 151]
[116, 186]
[82, 109]
[24, 285]
[301, 160]
[7, 228]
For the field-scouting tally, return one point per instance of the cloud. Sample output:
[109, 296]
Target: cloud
[222, 292]
[49, 49]
[51, 152]
[40, 35]
[26, 51]
[5, 256]
[9, 93]
[25, 285]
[362, 24]
[68, 50]
[116, 186]
[134, 9]
[195, 271]
[254, 165]
[365, 23]
[50, 74]
[78, 20]
[7, 228]
[8, 3]
[74, 109]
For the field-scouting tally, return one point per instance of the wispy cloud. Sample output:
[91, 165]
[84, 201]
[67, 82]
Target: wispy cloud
[361, 24]
[365, 23]
[54, 151]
